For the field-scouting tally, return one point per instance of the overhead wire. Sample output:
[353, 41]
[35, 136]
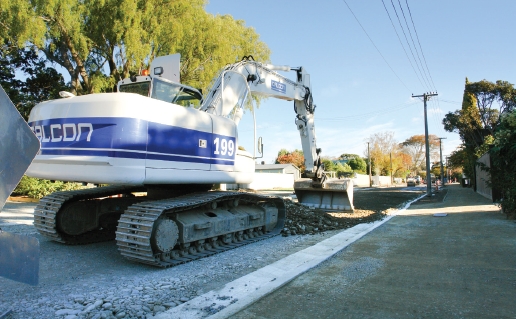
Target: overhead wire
[436, 113]
[401, 43]
[385, 60]
[406, 39]
[412, 39]
[369, 114]
[424, 77]
[421, 48]
[451, 102]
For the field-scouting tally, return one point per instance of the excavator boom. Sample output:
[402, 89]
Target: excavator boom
[314, 190]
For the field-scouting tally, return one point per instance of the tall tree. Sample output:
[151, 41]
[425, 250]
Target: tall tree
[415, 147]
[87, 37]
[382, 145]
[483, 105]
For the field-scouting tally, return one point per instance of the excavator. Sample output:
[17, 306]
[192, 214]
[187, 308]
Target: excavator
[165, 140]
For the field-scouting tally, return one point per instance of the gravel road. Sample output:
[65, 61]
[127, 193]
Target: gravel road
[94, 281]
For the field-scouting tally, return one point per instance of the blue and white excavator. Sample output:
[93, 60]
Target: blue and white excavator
[162, 138]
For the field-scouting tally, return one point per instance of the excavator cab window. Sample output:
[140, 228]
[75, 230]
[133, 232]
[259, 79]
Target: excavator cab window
[141, 88]
[175, 93]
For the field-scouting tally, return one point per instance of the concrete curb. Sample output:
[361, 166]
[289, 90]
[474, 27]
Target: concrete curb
[248, 289]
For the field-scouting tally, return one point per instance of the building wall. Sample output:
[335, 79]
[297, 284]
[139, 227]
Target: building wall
[267, 181]
[482, 177]
[361, 180]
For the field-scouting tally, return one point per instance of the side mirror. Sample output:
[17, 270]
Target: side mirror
[260, 147]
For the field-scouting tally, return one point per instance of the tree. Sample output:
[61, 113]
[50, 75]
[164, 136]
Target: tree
[343, 170]
[295, 157]
[415, 147]
[484, 104]
[405, 165]
[358, 165]
[503, 169]
[382, 145]
[329, 165]
[87, 37]
[466, 122]
[348, 156]
[40, 83]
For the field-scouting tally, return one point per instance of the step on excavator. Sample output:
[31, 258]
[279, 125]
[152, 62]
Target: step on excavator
[158, 137]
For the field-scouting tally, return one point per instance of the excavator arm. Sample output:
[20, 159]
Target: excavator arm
[236, 80]
[231, 88]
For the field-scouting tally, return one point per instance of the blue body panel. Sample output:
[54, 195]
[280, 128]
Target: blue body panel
[131, 138]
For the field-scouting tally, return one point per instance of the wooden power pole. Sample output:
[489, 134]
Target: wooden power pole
[426, 97]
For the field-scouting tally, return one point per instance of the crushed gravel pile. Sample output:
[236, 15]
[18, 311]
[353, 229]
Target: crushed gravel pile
[302, 220]
[370, 205]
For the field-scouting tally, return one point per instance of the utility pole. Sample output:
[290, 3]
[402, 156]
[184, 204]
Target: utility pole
[369, 157]
[441, 155]
[425, 97]
[390, 156]
[448, 169]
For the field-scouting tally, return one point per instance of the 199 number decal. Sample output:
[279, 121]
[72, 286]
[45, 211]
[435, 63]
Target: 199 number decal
[224, 147]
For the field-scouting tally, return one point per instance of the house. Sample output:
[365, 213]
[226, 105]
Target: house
[271, 176]
[278, 169]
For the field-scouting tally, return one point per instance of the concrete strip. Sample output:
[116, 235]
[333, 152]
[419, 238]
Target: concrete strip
[248, 289]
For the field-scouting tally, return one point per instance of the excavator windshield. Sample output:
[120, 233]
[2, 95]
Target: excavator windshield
[164, 90]
[175, 93]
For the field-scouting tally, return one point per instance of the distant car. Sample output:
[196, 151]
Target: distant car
[418, 180]
[411, 182]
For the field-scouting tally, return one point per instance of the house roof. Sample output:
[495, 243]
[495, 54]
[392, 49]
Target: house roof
[274, 166]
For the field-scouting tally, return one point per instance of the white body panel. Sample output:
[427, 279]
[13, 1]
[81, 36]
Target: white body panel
[124, 138]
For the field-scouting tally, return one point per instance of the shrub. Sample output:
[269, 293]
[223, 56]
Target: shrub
[38, 188]
[503, 171]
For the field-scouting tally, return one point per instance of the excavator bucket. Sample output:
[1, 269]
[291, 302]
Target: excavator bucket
[335, 195]
[19, 255]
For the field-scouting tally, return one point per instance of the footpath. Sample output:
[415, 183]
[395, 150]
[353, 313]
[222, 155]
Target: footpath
[450, 257]
[462, 265]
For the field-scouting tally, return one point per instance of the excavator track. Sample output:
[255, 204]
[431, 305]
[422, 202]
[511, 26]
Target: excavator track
[46, 212]
[135, 228]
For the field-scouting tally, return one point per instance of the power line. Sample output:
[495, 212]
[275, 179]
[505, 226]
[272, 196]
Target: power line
[412, 39]
[368, 114]
[376, 46]
[451, 102]
[437, 115]
[408, 43]
[401, 43]
[417, 37]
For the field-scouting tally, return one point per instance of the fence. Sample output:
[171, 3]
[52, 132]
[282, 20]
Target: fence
[361, 180]
[286, 181]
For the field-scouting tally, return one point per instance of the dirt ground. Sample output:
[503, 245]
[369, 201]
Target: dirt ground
[97, 269]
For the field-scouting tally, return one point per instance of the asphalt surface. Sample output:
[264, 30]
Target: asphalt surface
[416, 265]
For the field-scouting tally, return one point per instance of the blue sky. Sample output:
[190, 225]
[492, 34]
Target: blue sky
[356, 91]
